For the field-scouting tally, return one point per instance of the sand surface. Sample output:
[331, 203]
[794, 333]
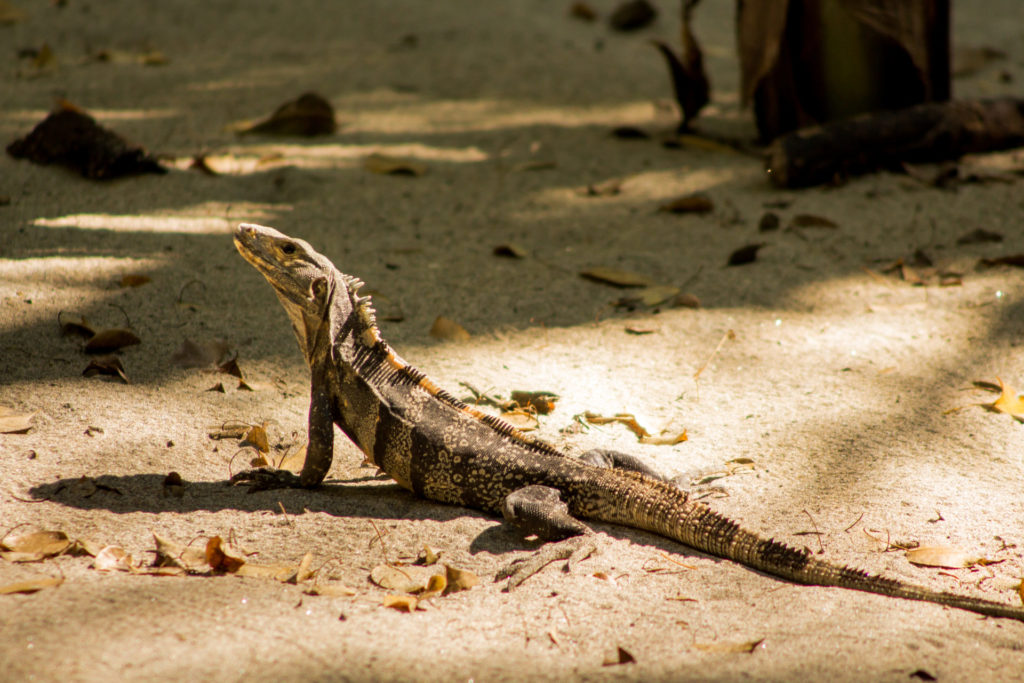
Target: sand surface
[848, 389]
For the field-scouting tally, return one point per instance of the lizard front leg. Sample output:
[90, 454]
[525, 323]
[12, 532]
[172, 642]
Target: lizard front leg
[319, 450]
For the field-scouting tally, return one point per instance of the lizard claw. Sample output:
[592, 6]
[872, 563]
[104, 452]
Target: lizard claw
[573, 550]
[263, 479]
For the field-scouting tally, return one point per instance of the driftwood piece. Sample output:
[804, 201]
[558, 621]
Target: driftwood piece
[935, 131]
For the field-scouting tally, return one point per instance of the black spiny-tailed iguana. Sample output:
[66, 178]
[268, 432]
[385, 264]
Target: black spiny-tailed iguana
[444, 450]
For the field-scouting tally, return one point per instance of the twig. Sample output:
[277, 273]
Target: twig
[854, 523]
[821, 548]
[383, 550]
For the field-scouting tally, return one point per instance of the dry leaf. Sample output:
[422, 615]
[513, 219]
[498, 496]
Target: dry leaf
[582, 11]
[510, 250]
[541, 402]
[690, 83]
[330, 590]
[32, 585]
[402, 603]
[436, 585]
[809, 220]
[293, 461]
[11, 14]
[630, 133]
[222, 557]
[686, 300]
[622, 418]
[256, 437]
[113, 339]
[112, 558]
[749, 646]
[308, 115]
[942, 556]
[744, 255]
[606, 188]
[1009, 401]
[147, 58]
[75, 325]
[979, 236]
[632, 15]
[389, 165]
[769, 222]
[664, 440]
[35, 546]
[13, 422]
[448, 329]
[692, 203]
[618, 656]
[407, 579]
[459, 579]
[1012, 260]
[135, 280]
[616, 277]
[639, 331]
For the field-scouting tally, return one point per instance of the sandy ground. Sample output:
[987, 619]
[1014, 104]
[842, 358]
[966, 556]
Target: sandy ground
[850, 390]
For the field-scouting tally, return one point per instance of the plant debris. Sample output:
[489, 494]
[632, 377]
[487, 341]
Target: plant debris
[106, 365]
[307, 116]
[810, 220]
[691, 203]
[1016, 260]
[14, 422]
[726, 647]
[979, 236]
[632, 15]
[510, 250]
[448, 330]
[72, 138]
[769, 222]
[34, 546]
[1009, 402]
[744, 255]
[616, 277]
[689, 81]
[31, 585]
[942, 556]
[631, 423]
[389, 165]
[618, 656]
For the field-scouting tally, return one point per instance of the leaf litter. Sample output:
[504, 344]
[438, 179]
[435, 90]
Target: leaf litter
[13, 421]
[308, 115]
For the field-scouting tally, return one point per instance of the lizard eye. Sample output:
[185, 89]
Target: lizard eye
[288, 248]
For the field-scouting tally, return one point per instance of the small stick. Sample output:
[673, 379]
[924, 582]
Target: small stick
[817, 534]
[383, 550]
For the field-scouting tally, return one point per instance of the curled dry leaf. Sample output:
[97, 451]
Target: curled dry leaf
[75, 324]
[402, 603]
[135, 280]
[616, 277]
[942, 556]
[436, 585]
[257, 438]
[171, 554]
[1009, 401]
[459, 579]
[35, 546]
[622, 418]
[448, 329]
[510, 250]
[619, 655]
[31, 585]
[744, 255]
[14, 422]
[670, 440]
[112, 558]
[114, 339]
[810, 220]
[685, 300]
[222, 557]
[650, 297]
[107, 365]
[330, 590]
[407, 579]
[541, 402]
[691, 203]
[308, 115]
[389, 165]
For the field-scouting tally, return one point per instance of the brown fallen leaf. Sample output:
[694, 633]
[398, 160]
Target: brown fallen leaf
[744, 255]
[402, 603]
[389, 165]
[106, 365]
[72, 138]
[135, 280]
[942, 556]
[685, 300]
[690, 83]
[193, 354]
[616, 277]
[34, 546]
[691, 203]
[171, 554]
[619, 655]
[14, 422]
[308, 115]
[31, 585]
[606, 188]
[114, 339]
[436, 585]
[724, 647]
[330, 590]
[622, 418]
[541, 402]
[522, 420]
[810, 220]
[769, 222]
[256, 438]
[406, 579]
[979, 236]
[222, 557]
[630, 133]
[459, 579]
[1009, 401]
[510, 250]
[1012, 260]
[74, 324]
[448, 329]
[145, 58]
[650, 297]
[670, 440]
[632, 15]
[582, 11]
[112, 558]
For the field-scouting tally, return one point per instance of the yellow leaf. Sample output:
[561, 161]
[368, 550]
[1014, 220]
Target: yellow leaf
[35, 546]
[330, 590]
[388, 165]
[459, 579]
[1009, 402]
[13, 422]
[942, 556]
[31, 586]
[446, 328]
[112, 558]
[402, 603]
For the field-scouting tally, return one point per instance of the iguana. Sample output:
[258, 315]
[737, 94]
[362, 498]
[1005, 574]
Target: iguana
[442, 449]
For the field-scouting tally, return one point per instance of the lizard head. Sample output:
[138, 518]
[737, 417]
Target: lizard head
[314, 294]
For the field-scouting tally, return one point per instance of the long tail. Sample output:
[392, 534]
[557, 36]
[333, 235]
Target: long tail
[655, 506]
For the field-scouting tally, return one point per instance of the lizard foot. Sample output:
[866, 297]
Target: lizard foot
[263, 479]
[573, 550]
